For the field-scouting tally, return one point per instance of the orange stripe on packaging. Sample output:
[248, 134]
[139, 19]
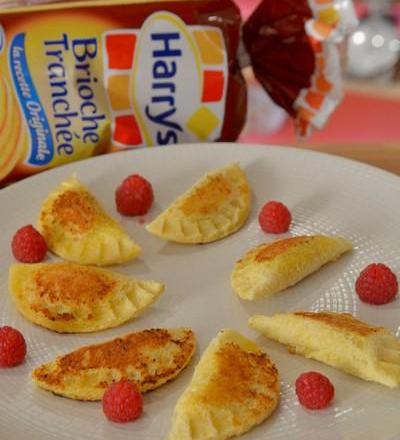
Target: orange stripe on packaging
[213, 86]
[126, 131]
[322, 84]
[120, 50]
[314, 99]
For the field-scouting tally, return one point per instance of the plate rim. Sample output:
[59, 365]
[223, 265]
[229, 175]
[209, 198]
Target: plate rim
[373, 172]
[372, 169]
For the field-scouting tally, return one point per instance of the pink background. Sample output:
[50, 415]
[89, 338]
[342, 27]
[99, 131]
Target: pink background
[361, 117]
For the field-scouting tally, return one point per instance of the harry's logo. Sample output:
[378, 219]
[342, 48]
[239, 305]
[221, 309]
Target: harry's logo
[166, 82]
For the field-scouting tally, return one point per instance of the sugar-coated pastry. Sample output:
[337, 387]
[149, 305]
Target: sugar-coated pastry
[274, 266]
[337, 339]
[235, 386]
[71, 298]
[149, 358]
[213, 208]
[76, 228]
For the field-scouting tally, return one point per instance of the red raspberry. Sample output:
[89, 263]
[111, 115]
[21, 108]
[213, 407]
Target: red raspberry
[28, 245]
[274, 218]
[134, 196]
[314, 390]
[12, 347]
[122, 402]
[377, 284]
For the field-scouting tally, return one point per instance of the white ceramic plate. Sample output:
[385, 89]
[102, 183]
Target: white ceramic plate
[326, 195]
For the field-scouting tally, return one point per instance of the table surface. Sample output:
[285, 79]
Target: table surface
[386, 156]
[364, 127]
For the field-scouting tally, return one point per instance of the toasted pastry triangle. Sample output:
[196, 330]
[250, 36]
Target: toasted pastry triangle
[214, 207]
[272, 267]
[67, 297]
[337, 339]
[234, 387]
[149, 358]
[76, 227]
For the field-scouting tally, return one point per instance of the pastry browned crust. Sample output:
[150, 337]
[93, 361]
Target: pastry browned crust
[149, 358]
